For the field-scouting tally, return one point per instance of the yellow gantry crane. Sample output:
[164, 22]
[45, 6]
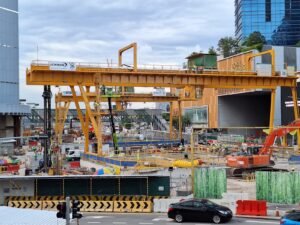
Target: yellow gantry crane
[84, 76]
[62, 103]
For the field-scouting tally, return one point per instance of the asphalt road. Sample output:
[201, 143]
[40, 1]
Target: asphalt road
[153, 219]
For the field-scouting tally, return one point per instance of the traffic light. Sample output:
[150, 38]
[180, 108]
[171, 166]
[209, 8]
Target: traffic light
[61, 207]
[76, 209]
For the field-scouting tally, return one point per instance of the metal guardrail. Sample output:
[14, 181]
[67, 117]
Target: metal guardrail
[158, 67]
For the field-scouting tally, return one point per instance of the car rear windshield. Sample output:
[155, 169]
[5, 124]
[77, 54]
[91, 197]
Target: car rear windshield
[293, 216]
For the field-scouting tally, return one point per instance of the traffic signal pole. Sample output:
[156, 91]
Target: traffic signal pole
[67, 210]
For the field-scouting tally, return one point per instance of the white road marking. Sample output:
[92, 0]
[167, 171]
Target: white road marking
[266, 222]
[162, 219]
[98, 217]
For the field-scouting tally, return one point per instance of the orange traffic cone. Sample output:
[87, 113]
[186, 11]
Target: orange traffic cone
[277, 212]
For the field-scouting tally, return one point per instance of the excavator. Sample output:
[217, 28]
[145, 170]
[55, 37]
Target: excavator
[243, 164]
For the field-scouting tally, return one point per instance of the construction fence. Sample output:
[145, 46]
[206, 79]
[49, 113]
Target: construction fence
[278, 187]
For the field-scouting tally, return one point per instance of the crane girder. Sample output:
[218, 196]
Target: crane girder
[85, 76]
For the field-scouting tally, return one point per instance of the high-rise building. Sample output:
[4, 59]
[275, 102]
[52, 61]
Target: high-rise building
[10, 108]
[277, 20]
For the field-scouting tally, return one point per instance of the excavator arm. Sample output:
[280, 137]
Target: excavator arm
[279, 132]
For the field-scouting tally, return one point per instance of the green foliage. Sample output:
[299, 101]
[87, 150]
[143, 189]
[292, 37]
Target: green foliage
[257, 47]
[186, 121]
[254, 39]
[228, 46]
[126, 122]
[212, 50]
[166, 116]
[210, 183]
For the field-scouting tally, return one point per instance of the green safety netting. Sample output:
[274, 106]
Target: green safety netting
[210, 183]
[278, 187]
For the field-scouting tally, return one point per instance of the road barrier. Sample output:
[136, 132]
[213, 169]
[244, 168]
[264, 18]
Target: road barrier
[133, 206]
[50, 205]
[90, 203]
[26, 204]
[251, 208]
[96, 206]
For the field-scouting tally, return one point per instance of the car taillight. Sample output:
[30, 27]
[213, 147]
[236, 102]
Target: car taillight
[170, 209]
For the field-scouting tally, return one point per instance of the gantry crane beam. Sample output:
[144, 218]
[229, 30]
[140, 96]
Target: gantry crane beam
[88, 76]
[123, 98]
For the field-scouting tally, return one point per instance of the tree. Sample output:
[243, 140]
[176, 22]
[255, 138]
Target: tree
[298, 44]
[212, 50]
[254, 39]
[228, 46]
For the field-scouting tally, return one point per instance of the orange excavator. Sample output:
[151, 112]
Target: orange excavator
[245, 163]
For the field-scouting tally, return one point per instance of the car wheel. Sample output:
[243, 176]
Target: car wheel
[216, 219]
[178, 218]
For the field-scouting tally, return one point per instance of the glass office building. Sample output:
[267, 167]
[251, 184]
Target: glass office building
[277, 20]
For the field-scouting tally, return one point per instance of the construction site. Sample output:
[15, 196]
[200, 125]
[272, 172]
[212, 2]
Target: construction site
[94, 149]
[97, 149]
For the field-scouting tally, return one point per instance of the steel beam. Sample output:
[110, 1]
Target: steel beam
[123, 98]
[85, 76]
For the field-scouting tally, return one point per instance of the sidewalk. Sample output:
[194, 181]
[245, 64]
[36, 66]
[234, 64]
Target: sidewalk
[271, 212]
[258, 217]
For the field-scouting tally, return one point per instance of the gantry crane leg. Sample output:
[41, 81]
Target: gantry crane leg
[95, 122]
[272, 109]
[98, 119]
[296, 111]
[61, 112]
[171, 121]
[84, 124]
[180, 120]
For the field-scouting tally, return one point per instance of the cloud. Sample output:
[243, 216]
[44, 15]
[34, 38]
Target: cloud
[92, 31]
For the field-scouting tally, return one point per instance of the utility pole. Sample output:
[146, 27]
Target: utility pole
[47, 123]
[192, 158]
[68, 210]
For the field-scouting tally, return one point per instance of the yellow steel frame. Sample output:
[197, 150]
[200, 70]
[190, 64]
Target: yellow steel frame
[93, 117]
[84, 123]
[86, 76]
[171, 120]
[270, 52]
[92, 97]
[123, 98]
[120, 59]
[42, 75]
[61, 112]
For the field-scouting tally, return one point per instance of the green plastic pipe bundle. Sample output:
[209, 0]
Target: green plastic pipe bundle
[278, 187]
[210, 183]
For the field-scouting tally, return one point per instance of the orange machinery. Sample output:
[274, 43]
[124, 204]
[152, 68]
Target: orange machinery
[244, 164]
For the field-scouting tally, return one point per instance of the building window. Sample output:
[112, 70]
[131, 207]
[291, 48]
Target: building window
[268, 11]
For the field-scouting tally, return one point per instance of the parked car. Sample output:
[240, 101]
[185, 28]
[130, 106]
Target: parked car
[74, 155]
[291, 218]
[200, 210]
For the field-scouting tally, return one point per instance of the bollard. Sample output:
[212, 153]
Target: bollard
[277, 212]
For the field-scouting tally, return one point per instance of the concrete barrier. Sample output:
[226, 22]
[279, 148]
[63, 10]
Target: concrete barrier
[162, 205]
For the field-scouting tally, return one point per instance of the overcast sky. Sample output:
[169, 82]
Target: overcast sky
[93, 30]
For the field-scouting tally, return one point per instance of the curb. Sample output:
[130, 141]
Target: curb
[258, 217]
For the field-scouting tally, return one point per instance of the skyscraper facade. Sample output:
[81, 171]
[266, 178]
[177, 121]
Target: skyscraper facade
[277, 20]
[10, 108]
